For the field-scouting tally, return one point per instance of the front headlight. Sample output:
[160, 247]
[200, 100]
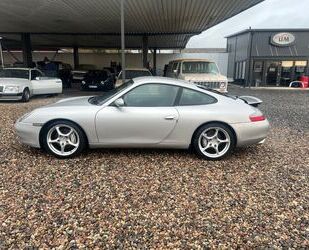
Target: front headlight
[11, 89]
[222, 85]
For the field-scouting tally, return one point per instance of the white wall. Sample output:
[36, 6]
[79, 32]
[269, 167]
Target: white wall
[132, 60]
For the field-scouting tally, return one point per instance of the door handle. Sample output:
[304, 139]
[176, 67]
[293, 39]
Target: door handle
[170, 118]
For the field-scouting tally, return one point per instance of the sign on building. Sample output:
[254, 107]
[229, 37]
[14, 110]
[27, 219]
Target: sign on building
[283, 39]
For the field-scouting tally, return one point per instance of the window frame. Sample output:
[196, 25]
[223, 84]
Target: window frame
[149, 83]
[38, 72]
[180, 92]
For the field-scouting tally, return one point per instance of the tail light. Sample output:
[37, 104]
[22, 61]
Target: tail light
[257, 118]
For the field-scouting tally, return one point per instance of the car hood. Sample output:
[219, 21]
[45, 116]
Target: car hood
[204, 77]
[15, 81]
[73, 101]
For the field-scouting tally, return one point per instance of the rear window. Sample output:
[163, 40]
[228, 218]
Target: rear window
[191, 97]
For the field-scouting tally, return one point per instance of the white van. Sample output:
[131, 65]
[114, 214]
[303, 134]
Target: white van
[199, 71]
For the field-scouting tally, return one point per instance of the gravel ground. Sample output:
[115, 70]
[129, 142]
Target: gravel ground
[258, 197]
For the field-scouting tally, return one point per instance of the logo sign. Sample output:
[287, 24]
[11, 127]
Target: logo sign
[283, 39]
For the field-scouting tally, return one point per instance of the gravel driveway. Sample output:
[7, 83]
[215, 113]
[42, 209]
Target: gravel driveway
[258, 197]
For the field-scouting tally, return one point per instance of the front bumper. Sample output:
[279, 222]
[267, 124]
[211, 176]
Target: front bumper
[11, 97]
[28, 134]
[251, 133]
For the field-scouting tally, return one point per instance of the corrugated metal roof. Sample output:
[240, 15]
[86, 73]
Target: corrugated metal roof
[170, 23]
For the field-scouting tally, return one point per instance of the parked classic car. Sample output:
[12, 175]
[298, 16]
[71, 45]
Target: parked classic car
[98, 80]
[153, 112]
[22, 83]
[199, 71]
[132, 73]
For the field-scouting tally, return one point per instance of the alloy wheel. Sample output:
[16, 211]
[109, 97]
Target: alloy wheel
[214, 142]
[63, 140]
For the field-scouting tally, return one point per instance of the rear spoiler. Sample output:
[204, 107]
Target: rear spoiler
[251, 100]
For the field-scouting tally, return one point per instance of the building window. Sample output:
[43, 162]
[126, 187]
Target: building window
[243, 70]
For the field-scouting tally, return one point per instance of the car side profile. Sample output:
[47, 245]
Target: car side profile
[153, 112]
[23, 83]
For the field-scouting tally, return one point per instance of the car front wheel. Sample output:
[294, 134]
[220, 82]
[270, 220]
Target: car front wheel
[214, 141]
[63, 139]
[25, 95]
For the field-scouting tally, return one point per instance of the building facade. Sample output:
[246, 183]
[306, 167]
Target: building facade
[268, 57]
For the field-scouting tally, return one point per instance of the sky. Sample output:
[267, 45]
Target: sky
[268, 14]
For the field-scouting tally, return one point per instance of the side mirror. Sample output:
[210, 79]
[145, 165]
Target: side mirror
[175, 71]
[119, 102]
[37, 78]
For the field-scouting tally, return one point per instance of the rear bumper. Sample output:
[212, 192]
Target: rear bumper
[28, 134]
[10, 97]
[251, 133]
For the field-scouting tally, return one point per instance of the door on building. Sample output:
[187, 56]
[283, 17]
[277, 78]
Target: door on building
[286, 73]
[272, 69]
[258, 73]
[300, 69]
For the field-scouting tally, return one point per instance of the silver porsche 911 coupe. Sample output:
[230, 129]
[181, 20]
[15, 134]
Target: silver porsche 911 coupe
[151, 112]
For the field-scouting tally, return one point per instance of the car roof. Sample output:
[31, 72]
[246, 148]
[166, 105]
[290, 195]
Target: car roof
[166, 80]
[191, 60]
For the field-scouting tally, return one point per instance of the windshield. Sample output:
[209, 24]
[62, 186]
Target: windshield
[14, 73]
[199, 68]
[98, 100]
[86, 67]
[98, 74]
[130, 74]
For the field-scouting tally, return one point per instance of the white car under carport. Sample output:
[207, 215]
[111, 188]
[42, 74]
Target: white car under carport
[23, 83]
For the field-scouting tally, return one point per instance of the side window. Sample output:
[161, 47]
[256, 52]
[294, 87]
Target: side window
[192, 97]
[35, 74]
[179, 68]
[151, 95]
[175, 66]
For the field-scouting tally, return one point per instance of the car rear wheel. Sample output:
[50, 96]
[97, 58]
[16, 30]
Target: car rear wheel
[26, 95]
[63, 139]
[214, 141]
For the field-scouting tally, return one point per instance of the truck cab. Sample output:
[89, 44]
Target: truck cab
[198, 71]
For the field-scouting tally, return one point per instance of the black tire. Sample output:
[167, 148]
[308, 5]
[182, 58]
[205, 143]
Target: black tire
[227, 147]
[81, 136]
[26, 95]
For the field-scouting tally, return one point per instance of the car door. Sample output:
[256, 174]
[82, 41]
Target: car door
[44, 85]
[37, 85]
[147, 117]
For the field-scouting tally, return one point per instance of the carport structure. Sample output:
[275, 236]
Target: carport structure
[149, 24]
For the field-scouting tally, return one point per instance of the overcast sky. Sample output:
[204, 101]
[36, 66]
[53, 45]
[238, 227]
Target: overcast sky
[268, 14]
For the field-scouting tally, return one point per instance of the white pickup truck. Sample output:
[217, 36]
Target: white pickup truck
[199, 71]
[23, 83]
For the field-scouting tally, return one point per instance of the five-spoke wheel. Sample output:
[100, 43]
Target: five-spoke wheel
[214, 141]
[63, 139]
